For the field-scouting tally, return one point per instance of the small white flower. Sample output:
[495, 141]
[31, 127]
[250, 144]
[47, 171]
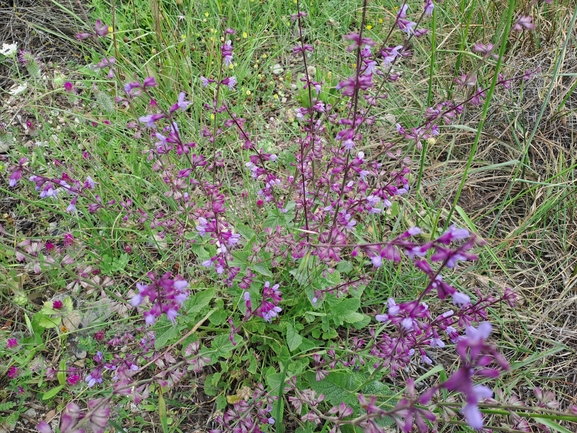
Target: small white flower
[9, 50]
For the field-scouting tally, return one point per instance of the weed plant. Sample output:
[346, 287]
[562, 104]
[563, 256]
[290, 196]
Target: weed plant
[249, 234]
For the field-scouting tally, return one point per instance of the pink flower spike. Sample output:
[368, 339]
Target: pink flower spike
[11, 343]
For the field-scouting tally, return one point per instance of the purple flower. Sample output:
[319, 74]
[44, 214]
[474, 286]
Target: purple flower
[149, 82]
[429, 6]
[524, 22]
[72, 206]
[100, 28]
[15, 176]
[106, 62]
[72, 376]
[205, 81]
[483, 49]
[230, 82]
[129, 87]
[150, 119]
[357, 41]
[403, 11]
[89, 183]
[166, 295]
[83, 36]
[11, 343]
[460, 299]
[99, 414]
[181, 103]
[226, 51]
[269, 308]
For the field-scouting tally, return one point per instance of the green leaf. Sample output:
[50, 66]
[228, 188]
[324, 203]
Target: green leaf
[52, 393]
[293, 338]
[61, 375]
[48, 322]
[218, 317]
[274, 379]
[245, 231]
[212, 384]
[344, 266]
[337, 387]
[67, 304]
[162, 412]
[552, 425]
[199, 300]
[221, 402]
[345, 307]
[172, 332]
[200, 251]
[252, 368]
[223, 347]
[261, 269]
[332, 279]
[354, 317]
[47, 309]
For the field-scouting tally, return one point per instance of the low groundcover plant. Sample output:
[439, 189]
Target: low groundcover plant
[289, 278]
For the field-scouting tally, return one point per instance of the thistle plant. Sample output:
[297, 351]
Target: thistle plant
[287, 280]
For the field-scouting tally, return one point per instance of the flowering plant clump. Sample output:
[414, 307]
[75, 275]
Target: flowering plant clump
[287, 279]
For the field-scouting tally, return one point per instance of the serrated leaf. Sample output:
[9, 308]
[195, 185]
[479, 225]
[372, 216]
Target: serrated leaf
[332, 279]
[200, 251]
[344, 266]
[218, 318]
[223, 346]
[378, 389]
[171, 332]
[47, 309]
[337, 387]
[67, 304]
[52, 393]
[245, 231]
[199, 300]
[345, 307]
[261, 269]
[49, 322]
[293, 338]
[361, 324]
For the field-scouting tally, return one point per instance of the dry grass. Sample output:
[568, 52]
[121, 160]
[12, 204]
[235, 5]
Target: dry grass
[521, 193]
